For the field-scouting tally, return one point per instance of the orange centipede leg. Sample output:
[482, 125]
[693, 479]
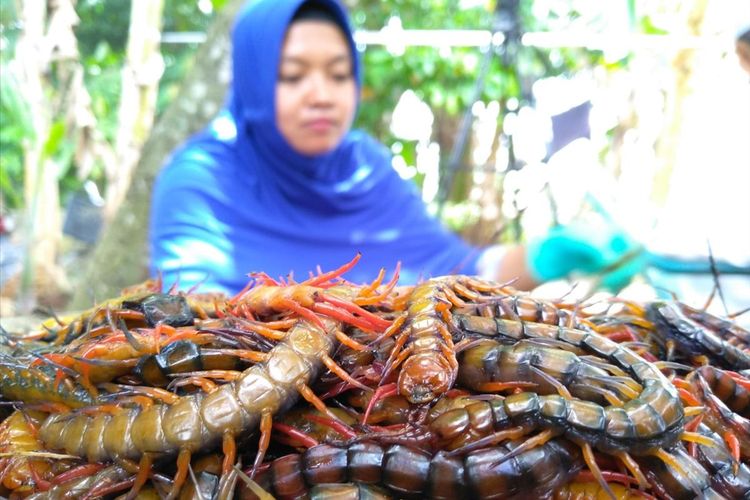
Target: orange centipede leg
[144, 470]
[183, 464]
[341, 373]
[229, 448]
[266, 424]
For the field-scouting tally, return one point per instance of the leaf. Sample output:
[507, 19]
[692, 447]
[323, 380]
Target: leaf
[54, 139]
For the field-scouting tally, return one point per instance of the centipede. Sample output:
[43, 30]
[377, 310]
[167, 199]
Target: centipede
[454, 387]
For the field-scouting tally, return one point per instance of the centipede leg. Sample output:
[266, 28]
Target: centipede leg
[229, 448]
[183, 464]
[530, 443]
[349, 342]
[730, 438]
[144, 470]
[382, 392]
[588, 457]
[668, 459]
[499, 436]
[342, 374]
[314, 400]
[305, 439]
[305, 313]
[634, 469]
[396, 357]
[266, 424]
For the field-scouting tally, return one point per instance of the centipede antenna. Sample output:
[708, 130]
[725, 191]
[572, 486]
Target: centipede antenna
[739, 313]
[48, 311]
[132, 340]
[715, 274]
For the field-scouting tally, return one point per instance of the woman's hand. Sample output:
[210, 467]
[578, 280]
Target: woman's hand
[586, 248]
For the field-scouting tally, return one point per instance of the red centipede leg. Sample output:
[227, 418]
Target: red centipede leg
[77, 472]
[376, 322]
[382, 392]
[739, 379]
[325, 277]
[266, 424]
[688, 398]
[304, 312]
[305, 439]
[102, 491]
[183, 463]
[336, 425]
[730, 438]
[691, 427]
[40, 483]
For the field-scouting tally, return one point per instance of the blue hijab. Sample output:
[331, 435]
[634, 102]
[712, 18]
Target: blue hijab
[236, 198]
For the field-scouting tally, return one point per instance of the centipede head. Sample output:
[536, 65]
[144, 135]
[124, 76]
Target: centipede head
[424, 378]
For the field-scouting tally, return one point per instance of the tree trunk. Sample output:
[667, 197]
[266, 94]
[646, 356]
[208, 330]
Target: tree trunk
[47, 37]
[140, 87]
[684, 66]
[120, 258]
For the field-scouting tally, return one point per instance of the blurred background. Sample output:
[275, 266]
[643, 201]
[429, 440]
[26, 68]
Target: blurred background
[510, 117]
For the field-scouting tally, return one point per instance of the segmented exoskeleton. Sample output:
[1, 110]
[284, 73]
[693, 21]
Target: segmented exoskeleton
[424, 349]
[652, 419]
[676, 332]
[726, 475]
[200, 421]
[410, 473]
[143, 308]
[731, 388]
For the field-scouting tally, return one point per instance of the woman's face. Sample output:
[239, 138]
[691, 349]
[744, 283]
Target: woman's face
[315, 89]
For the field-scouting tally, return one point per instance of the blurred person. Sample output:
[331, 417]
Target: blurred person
[707, 206]
[742, 49]
[279, 182]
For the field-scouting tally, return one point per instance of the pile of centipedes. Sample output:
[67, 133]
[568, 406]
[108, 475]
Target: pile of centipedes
[455, 387]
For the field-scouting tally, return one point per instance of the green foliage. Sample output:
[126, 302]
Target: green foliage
[444, 78]
[102, 35]
[15, 128]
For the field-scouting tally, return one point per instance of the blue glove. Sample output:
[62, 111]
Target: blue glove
[586, 248]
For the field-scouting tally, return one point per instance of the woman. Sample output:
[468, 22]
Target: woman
[279, 183]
